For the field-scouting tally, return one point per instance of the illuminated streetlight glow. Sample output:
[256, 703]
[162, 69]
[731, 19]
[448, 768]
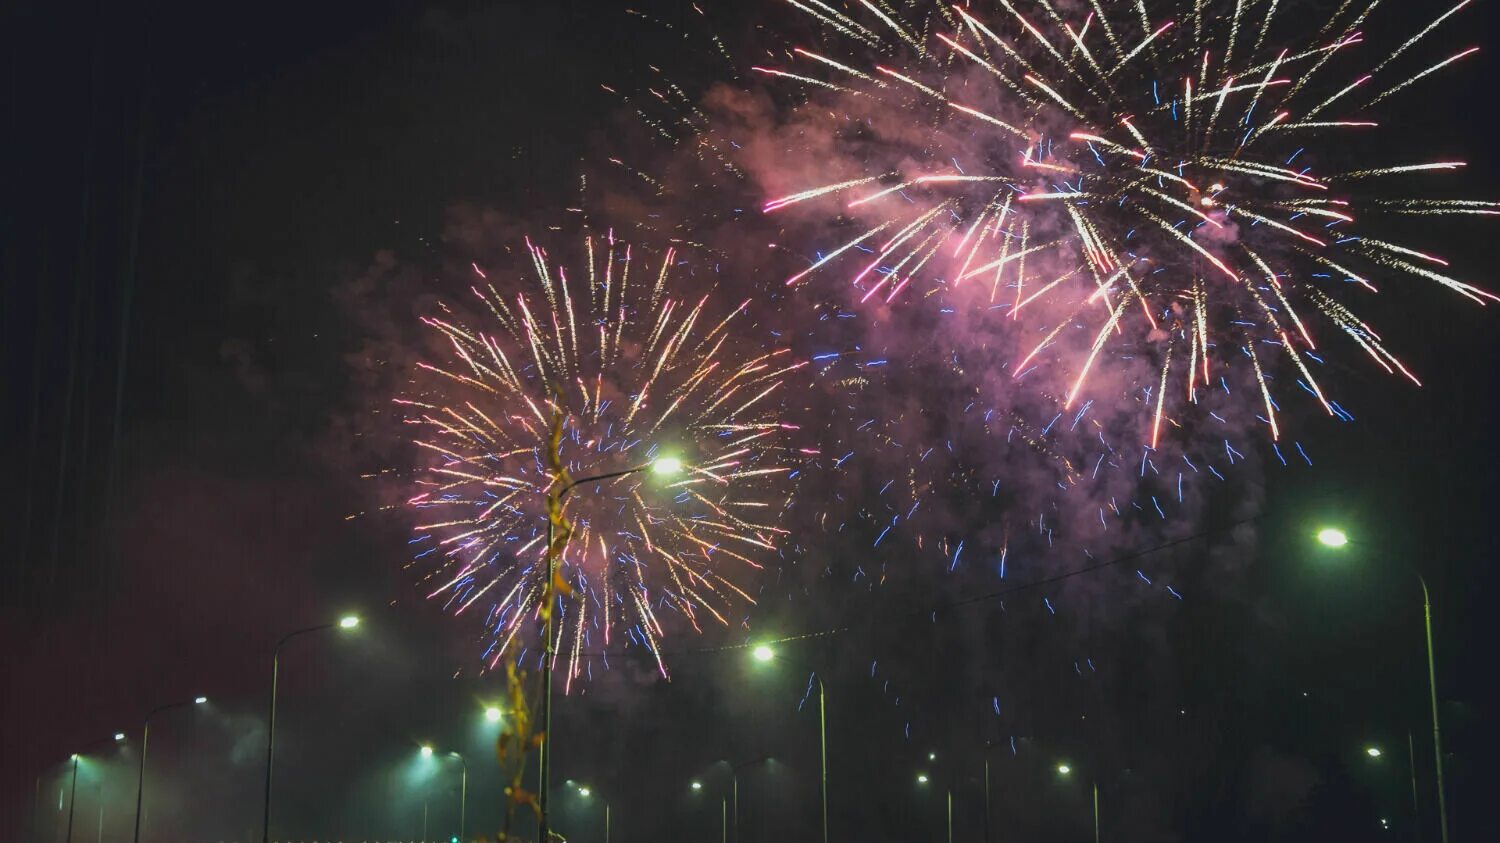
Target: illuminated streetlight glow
[119, 736]
[73, 757]
[666, 466]
[921, 778]
[1372, 751]
[349, 621]
[1063, 769]
[763, 653]
[932, 756]
[697, 785]
[584, 792]
[492, 714]
[1333, 537]
[426, 752]
[200, 700]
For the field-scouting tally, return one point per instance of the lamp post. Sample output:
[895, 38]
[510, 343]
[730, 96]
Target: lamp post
[140, 782]
[73, 787]
[1065, 770]
[1333, 537]
[733, 804]
[764, 653]
[463, 795]
[556, 498]
[584, 791]
[346, 622]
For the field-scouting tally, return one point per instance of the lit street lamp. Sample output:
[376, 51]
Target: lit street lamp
[346, 622]
[75, 758]
[584, 792]
[660, 466]
[1335, 538]
[140, 782]
[1064, 770]
[763, 653]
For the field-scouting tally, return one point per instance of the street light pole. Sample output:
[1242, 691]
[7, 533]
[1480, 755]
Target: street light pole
[1336, 538]
[463, 797]
[72, 797]
[140, 782]
[1437, 736]
[764, 653]
[1411, 767]
[1096, 810]
[348, 622]
[556, 498]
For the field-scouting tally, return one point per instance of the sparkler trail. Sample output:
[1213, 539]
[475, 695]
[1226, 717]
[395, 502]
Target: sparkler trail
[1172, 178]
[637, 373]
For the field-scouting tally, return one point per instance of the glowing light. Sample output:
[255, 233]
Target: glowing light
[921, 778]
[1373, 751]
[349, 621]
[1063, 769]
[666, 466]
[584, 792]
[200, 700]
[697, 785]
[426, 752]
[492, 714]
[119, 736]
[763, 653]
[1332, 537]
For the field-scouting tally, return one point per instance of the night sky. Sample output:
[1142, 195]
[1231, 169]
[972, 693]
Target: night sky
[192, 194]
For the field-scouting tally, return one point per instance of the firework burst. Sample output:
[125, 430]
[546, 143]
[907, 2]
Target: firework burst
[629, 376]
[1117, 177]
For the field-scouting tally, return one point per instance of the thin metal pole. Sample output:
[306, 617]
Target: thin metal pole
[1411, 766]
[723, 821]
[986, 799]
[265, 825]
[424, 821]
[140, 780]
[100, 837]
[823, 747]
[72, 797]
[606, 821]
[463, 803]
[1096, 811]
[734, 777]
[1437, 737]
[950, 815]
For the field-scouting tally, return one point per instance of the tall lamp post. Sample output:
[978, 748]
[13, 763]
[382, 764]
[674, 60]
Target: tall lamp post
[1064, 770]
[1336, 538]
[463, 796]
[585, 792]
[732, 805]
[346, 622]
[764, 653]
[140, 782]
[556, 498]
[73, 787]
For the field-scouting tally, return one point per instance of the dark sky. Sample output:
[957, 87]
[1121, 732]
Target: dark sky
[188, 189]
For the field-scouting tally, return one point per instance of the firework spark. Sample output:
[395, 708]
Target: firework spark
[635, 375]
[1137, 177]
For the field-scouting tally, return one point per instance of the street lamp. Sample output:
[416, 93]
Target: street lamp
[346, 622]
[1332, 537]
[1372, 751]
[492, 714]
[426, 752]
[734, 784]
[585, 792]
[764, 653]
[140, 782]
[661, 466]
[463, 795]
[1064, 770]
[1336, 538]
